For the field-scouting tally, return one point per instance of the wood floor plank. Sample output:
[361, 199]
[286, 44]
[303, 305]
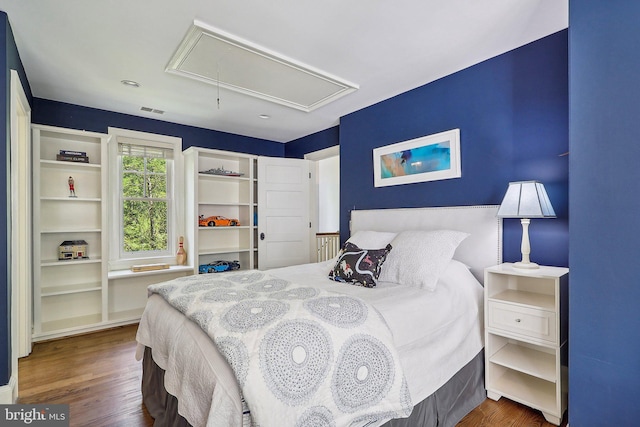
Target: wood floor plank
[98, 376]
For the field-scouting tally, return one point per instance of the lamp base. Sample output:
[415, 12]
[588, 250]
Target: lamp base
[526, 265]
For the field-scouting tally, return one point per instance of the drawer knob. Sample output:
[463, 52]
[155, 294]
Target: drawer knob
[518, 320]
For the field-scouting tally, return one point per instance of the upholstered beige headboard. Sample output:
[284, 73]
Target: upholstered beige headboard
[483, 248]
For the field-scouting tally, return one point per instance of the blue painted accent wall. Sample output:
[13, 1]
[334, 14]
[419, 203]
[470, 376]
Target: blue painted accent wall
[314, 142]
[604, 345]
[54, 113]
[512, 112]
[9, 59]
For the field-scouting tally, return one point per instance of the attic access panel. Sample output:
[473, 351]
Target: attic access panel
[214, 57]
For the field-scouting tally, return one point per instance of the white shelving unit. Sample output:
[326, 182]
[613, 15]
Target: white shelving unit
[526, 337]
[79, 295]
[69, 295]
[232, 197]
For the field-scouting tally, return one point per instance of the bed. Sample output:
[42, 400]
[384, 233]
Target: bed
[435, 327]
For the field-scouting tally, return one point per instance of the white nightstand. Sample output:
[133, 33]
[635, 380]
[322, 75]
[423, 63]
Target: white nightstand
[526, 337]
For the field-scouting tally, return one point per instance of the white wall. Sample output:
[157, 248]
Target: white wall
[328, 171]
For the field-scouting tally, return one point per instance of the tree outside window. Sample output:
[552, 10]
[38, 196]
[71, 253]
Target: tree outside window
[145, 205]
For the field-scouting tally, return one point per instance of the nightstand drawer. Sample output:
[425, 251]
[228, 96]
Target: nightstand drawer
[530, 322]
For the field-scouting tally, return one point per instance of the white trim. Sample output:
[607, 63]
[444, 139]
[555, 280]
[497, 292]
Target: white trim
[314, 202]
[20, 233]
[9, 391]
[191, 50]
[176, 227]
[323, 154]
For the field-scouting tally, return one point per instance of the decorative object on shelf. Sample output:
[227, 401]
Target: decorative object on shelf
[72, 187]
[72, 156]
[149, 267]
[217, 221]
[221, 171]
[181, 255]
[525, 200]
[73, 249]
[428, 158]
[218, 267]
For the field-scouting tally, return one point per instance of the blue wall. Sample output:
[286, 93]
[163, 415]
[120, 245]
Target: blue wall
[72, 116]
[512, 112]
[9, 59]
[314, 142]
[604, 345]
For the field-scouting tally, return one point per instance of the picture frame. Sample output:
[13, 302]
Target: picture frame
[428, 158]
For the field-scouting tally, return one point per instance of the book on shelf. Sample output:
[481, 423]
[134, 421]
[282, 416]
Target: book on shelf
[71, 158]
[73, 153]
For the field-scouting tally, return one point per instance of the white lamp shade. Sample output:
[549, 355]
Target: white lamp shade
[526, 199]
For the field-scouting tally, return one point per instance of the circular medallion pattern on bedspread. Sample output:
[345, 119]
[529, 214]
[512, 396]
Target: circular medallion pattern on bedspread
[294, 359]
[363, 375]
[269, 285]
[405, 398]
[165, 290]
[202, 318]
[226, 295]
[236, 354]
[367, 419]
[201, 286]
[341, 311]
[316, 416]
[253, 314]
[295, 294]
[245, 277]
[182, 302]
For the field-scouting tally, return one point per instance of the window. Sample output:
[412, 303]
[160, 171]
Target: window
[145, 216]
[145, 176]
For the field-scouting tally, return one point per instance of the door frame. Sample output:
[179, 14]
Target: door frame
[314, 157]
[20, 232]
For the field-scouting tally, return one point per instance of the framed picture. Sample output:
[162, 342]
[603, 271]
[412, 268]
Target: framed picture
[428, 158]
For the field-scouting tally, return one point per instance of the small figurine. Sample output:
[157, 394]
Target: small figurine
[181, 255]
[72, 190]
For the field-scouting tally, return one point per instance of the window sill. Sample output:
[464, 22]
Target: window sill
[123, 274]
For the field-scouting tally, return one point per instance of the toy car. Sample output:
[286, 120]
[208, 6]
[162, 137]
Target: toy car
[218, 267]
[213, 221]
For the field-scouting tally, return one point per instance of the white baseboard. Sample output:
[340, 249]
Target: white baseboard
[9, 392]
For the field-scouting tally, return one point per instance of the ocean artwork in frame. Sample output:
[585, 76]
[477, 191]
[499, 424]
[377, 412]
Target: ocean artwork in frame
[428, 158]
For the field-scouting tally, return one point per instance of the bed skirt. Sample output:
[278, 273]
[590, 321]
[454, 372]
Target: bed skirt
[444, 408]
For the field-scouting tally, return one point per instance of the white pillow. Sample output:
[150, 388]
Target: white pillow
[418, 258]
[367, 239]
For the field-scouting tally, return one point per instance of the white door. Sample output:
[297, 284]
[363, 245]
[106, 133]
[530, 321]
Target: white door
[283, 212]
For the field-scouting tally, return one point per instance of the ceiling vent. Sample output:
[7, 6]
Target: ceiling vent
[218, 58]
[151, 110]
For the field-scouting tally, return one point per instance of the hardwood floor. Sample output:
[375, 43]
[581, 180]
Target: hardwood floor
[98, 376]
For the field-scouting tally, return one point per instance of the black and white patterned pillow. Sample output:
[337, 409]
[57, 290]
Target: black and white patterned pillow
[359, 266]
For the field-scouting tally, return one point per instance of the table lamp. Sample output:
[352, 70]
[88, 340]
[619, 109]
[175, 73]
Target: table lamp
[526, 200]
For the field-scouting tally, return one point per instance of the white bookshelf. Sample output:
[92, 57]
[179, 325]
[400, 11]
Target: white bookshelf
[68, 294]
[218, 195]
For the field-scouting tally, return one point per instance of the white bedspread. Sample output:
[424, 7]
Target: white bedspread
[435, 333]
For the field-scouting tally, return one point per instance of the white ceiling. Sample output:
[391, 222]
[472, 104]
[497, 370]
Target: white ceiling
[78, 51]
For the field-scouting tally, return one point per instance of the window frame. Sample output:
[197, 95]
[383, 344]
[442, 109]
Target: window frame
[118, 259]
